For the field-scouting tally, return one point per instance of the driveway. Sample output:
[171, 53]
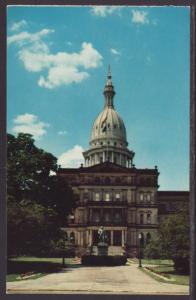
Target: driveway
[128, 279]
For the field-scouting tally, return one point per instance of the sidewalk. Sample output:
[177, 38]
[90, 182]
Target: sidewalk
[128, 279]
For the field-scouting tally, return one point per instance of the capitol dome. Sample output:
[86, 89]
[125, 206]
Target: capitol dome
[108, 140]
[108, 125]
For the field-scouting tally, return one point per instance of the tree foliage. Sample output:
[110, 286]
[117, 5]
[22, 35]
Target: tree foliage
[173, 240]
[38, 203]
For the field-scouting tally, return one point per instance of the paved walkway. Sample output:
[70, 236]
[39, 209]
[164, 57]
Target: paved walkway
[128, 279]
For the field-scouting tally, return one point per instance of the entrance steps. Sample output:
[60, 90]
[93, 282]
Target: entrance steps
[112, 250]
[115, 250]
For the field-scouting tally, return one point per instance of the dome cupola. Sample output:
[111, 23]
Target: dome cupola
[108, 139]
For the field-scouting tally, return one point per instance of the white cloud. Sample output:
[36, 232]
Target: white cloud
[139, 17]
[18, 25]
[62, 132]
[25, 119]
[103, 11]
[25, 37]
[62, 68]
[114, 51]
[28, 123]
[71, 158]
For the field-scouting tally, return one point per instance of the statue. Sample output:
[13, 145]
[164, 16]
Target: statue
[102, 235]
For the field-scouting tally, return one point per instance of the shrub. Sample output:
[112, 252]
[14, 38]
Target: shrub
[93, 260]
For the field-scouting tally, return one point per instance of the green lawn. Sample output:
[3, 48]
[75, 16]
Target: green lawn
[36, 266]
[153, 261]
[170, 273]
[165, 267]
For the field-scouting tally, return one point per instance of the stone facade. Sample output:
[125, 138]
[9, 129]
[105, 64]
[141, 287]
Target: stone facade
[111, 192]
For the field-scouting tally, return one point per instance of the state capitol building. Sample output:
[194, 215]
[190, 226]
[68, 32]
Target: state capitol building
[111, 192]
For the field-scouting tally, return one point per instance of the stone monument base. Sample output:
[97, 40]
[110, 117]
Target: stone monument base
[102, 249]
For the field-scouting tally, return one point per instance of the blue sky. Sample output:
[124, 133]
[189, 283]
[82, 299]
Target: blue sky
[57, 65]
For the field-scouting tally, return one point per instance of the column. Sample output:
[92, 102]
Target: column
[82, 238]
[90, 237]
[120, 162]
[111, 237]
[87, 238]
[123, 240]
[79, 241]
[103, 156]
[112, 156]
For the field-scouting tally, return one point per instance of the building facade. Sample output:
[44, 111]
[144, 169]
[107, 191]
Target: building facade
[111, 192]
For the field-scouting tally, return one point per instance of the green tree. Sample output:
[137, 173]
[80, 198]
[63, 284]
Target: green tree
[38, 203]
[31, 228]
[28, 176]
[173, 240]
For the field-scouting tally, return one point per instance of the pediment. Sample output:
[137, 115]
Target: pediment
[107, 167]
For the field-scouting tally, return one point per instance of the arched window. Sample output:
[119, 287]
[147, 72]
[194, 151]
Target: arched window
[142, 218]
[148, 197]
[141, 197]
[148, 238]
[148, 218]
[65, 236]
[72, 237]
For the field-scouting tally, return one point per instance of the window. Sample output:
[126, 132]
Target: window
[107, 180]
[97, 180]
[148, 197]
[118, 180]
[65, 236]
[141, 197]
[117, 217]
[117, 238]
[107, 197]
[148, 218]
[106, 216]
[72, 237]
[97, 196]
[117, 196]
[141, 218]
[96, 216]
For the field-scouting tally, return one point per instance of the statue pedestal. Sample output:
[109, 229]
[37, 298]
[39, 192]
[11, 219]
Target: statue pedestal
[102, 248]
